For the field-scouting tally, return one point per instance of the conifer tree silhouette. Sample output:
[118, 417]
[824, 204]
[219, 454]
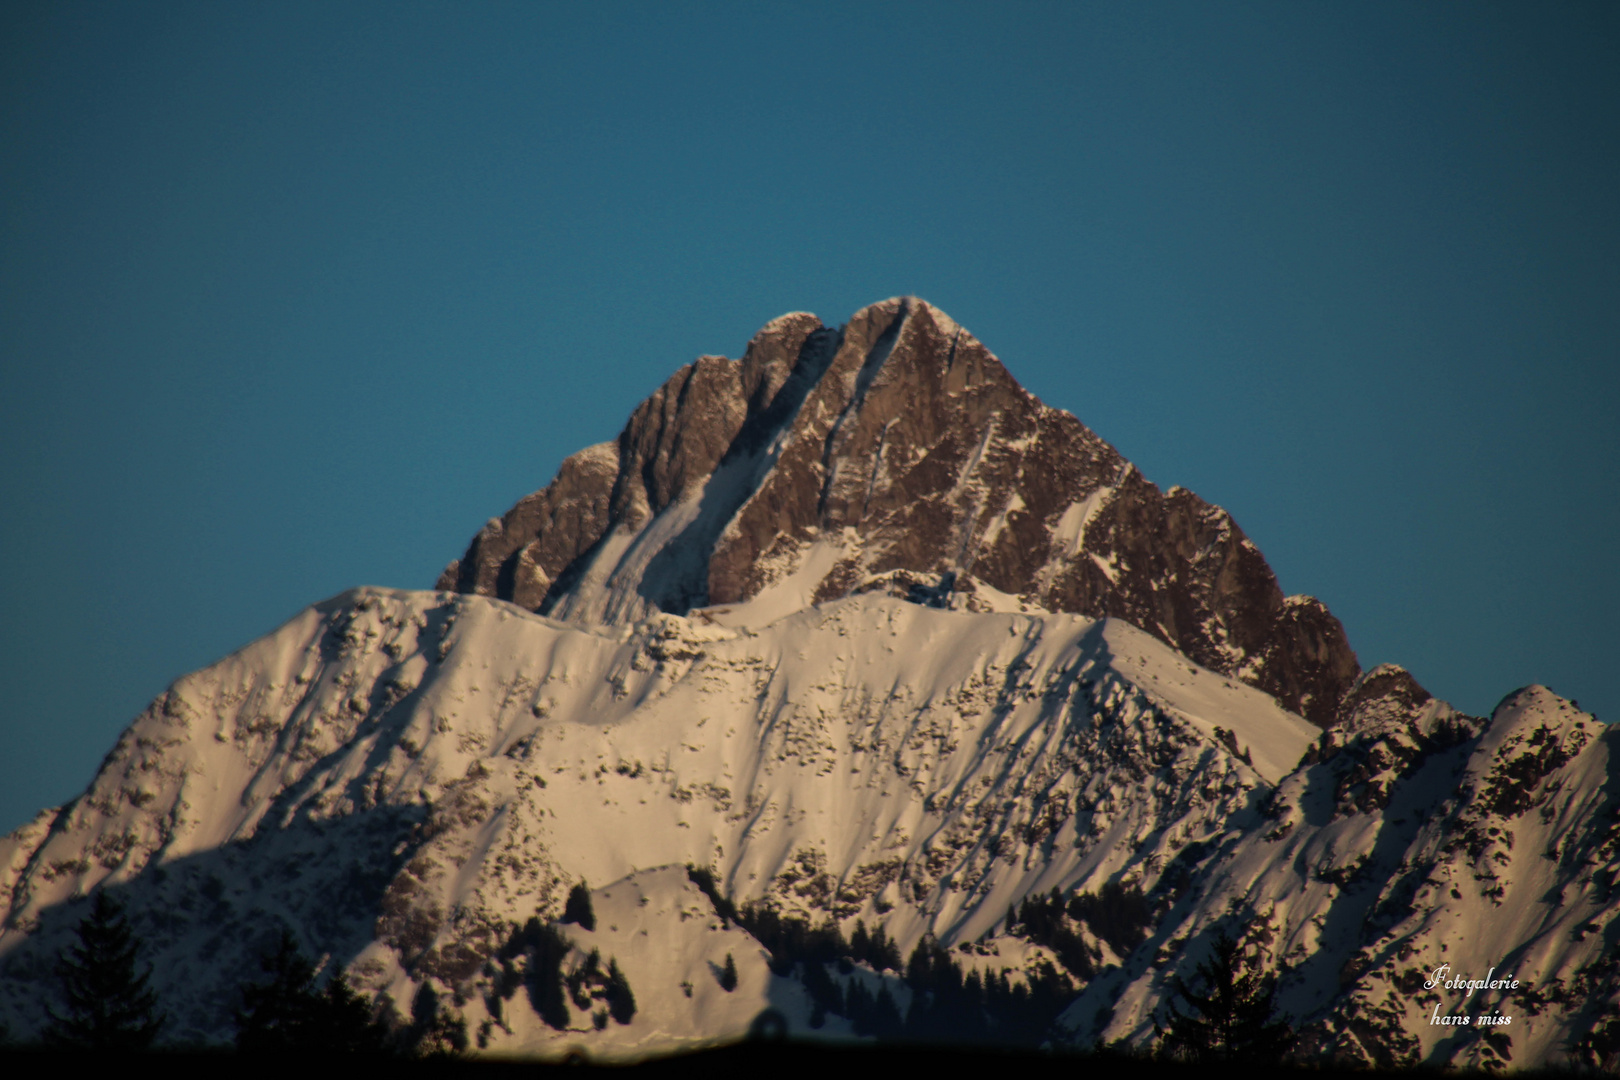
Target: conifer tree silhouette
[1231, 1018]
[275, 1011]
[109, 1007]
[621, 1002]
[547, 948]
[286, 1013]
[577, 909]
[728, 975]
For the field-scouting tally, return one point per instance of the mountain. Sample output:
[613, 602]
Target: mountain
[855, 664]
[893, 454]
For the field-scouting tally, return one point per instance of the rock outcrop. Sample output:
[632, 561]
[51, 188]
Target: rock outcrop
[888, 454]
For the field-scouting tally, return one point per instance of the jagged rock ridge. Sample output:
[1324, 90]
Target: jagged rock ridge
[888, 454]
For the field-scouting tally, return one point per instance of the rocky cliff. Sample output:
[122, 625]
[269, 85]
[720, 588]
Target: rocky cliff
[894, 453]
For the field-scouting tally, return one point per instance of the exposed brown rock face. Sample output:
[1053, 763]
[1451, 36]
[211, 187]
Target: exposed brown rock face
[895, 449]
[518, 556]
[1386, 724]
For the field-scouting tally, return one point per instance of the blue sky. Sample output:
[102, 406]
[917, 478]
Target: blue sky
[294, 296]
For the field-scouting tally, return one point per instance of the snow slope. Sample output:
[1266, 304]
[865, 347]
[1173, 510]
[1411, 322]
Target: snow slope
[403, 777]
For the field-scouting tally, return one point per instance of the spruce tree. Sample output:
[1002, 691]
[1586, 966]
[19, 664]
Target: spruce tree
[728, 975]
[621, 1002]
[287, 1014]
[109, 1007]
[858, 1007]
[577, 909]
[860, 943]
[886, 1020]
[343, 1023]
[275, 1012]
[548, 947]
[1231, 1018]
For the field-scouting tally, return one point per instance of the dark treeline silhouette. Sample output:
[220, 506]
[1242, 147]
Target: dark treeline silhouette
[945, 1003]
[542, 948]
[1230, 1016]
[287, 1013]
[1045, 921]
[1118, 915]
[929, 998]
[109, 1006]
[545, 948]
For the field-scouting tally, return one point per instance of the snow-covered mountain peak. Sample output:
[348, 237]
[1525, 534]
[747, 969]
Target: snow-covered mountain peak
[894, 453]
[845, 652]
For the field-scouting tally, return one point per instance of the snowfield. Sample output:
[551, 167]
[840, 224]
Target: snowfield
[405, 778]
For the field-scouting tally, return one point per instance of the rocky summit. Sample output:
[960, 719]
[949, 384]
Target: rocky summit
[853, 692]
[896, 454]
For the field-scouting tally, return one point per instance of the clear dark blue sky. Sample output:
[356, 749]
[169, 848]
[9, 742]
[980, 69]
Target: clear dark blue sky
[294, 296]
